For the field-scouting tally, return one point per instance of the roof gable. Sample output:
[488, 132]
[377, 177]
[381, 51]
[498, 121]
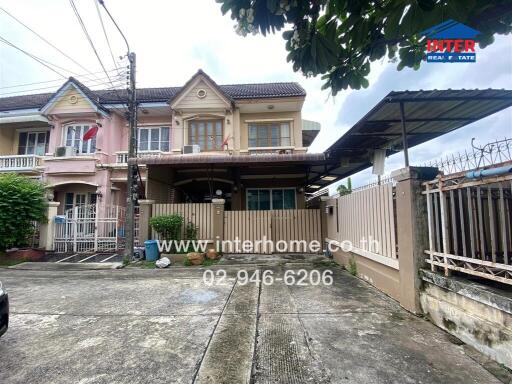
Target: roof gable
[189, 95]
[87, 96]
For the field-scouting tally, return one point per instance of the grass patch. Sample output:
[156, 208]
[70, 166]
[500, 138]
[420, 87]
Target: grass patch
[187, 262]
[352, 266]
[207, 262]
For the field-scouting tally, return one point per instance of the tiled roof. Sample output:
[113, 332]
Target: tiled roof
[164, 94]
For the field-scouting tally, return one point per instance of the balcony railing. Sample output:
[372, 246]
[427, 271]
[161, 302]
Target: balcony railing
[19, 162]
[122, 156]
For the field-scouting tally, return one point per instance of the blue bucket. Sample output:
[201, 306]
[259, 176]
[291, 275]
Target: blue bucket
[151, 250]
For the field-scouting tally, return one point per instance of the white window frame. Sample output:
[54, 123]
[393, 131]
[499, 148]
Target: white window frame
[85, 126]
[271, 202]
[36, 131]
[149, 128]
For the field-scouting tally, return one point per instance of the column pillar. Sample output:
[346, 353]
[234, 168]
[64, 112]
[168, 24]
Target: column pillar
[412, 231]
[218, 221]
[47, 228]
[323, 217]
[145, 212]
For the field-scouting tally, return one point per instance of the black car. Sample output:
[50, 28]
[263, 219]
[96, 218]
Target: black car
[4, 310]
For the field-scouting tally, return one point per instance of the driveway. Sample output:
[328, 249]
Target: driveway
[168, 326]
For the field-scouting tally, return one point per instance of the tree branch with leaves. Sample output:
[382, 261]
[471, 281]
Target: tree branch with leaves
[340, 38]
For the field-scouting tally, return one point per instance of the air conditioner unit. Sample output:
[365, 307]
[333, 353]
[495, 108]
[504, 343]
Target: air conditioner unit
[189, 149]
[65, 151]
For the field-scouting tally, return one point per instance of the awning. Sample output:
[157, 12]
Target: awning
[23, 119]
[426, 115]
[233, 160]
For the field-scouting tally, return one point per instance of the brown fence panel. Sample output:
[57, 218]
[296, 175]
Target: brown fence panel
[200, 214]
[278, 225]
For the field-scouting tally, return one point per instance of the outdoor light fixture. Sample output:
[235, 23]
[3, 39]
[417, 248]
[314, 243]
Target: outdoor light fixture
[218, 192]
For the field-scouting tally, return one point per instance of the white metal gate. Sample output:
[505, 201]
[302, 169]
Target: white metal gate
[86, 228]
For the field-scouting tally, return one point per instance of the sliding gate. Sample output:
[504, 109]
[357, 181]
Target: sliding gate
[282, 226]
[86, 228]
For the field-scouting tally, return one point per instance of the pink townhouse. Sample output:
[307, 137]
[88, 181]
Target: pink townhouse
[42, 136]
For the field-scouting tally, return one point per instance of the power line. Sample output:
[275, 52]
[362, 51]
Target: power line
[46, 41]
[84, 28]
[39, 60]
[53, 81]
[91, 83]
[105, 32]
[44, 62]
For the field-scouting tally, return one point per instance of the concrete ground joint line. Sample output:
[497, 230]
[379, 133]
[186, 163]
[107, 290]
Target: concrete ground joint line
[256, 333]
[194, 378]
[324, 372]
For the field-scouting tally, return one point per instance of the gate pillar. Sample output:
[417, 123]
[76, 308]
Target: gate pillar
[218, 221]
[145, 212]
[412, 231]
[47, 229]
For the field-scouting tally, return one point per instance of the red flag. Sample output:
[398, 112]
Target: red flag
[91, 132]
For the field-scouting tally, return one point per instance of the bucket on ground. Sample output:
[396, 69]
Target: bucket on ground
[151, 250]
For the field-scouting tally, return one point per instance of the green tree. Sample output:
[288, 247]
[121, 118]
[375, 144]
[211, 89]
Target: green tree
[22, 201]
[345, 189]
[340, 38]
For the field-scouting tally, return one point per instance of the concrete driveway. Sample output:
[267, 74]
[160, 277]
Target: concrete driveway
[167, 326]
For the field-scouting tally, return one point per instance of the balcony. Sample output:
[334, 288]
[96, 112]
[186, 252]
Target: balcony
[122, 156]
[20, 163]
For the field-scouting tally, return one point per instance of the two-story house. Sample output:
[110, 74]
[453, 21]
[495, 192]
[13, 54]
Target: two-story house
[245, 143]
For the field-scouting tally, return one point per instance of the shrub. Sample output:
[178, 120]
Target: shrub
[22, 201]
[167, 226]
[191, 231]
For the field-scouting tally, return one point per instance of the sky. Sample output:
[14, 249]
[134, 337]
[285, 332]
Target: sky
[175, 38]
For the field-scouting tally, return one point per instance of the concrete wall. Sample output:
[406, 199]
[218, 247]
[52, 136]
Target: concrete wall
[478, 315]
[380, 276]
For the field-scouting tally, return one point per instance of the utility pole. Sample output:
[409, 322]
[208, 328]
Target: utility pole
[132, 187]
[132, 184]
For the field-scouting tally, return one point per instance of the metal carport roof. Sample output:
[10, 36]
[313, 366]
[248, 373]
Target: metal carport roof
[405, 117]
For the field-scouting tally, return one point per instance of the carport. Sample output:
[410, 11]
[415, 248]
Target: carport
[402, 120]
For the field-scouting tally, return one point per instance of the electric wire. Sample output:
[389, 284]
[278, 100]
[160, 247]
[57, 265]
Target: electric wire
[45, 40]
[105, 32]
[51, 81]
[84, 28]
[38, 59]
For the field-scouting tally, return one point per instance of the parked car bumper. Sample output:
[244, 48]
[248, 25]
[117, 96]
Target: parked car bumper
[4, 313]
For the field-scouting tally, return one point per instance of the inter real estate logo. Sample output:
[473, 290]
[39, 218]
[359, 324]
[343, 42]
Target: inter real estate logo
[451, 42]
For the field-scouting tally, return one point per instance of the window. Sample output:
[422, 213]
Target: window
[33, 143]
[74, 135]
[154, 139]
[269, 135]
[206, 133]
[265, 199]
